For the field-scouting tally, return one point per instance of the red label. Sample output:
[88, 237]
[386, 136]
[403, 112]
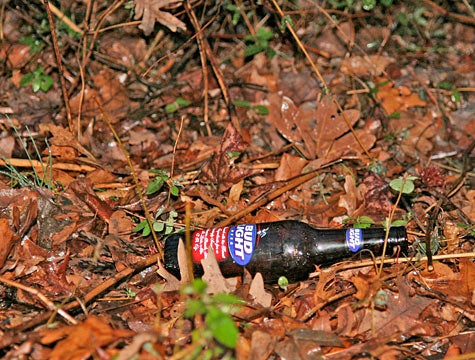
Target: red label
[217, 238]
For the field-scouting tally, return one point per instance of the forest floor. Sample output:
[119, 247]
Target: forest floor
[131, 121]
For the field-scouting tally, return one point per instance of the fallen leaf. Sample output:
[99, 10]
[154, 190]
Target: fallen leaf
[262, 345]
[372, 65]
[396, 99]
[401, 315]
[289, 167]
[82, 340]
[293, 123]
[217, 283]
[149, 11]
[8, 239]
[257, 291]
[64, 138]
[223, 169]
[349, 200]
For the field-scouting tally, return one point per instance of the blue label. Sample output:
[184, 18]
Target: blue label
[354, 239]
[241, 242]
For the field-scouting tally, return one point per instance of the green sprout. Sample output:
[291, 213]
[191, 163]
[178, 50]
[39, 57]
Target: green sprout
[38, 80]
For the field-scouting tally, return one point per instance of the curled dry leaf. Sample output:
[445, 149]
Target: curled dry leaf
[8, 238]
[350, 200]
[149, 11]
[213, 276]
[172, 283]
[223, 169]
[372, 65]
[395, 99]
[258, 292]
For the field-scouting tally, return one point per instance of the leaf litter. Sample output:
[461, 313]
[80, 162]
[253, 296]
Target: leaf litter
[394, 101]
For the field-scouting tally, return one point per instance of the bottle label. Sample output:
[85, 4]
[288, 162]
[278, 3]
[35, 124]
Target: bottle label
[354, 239]
[217, 238]
[242, 241]
[238, 241]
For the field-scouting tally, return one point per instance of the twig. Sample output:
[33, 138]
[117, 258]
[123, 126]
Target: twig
[138, 186]
[31, 163]
[206, 53]
[388, 225]
[49, 304]
[299, 180]
[364, 263]
[446, 198]
[59, 63]
[172, 169]
[91, 295]
[61, 16]
[204, 63]
[319, 75]
[458, 17]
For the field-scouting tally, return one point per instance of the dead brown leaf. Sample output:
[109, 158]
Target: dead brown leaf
[149, 11]
[257, 291]
[350, 200]
[64, 140]
[289, 167]
[217, 283]
[223, 169]
[8, 239]
[262, 345]
[81, 341]
[294, 125]
[401, 315]
[396, 99]
[372, 65]
[330, 126]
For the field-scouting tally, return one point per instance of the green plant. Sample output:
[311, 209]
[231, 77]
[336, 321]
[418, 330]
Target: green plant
[387, 223]
[361, 222]
[354, 5]
[260, 43]
[421, 247]
[405, 185]
[218, 333]
[38, 80]
[33, 43]
[258, 109]
[129, 293]
[377, 167]
[159, 226]
[469, 228]
[446, 85]
[283, 283]
[161, 179]
[236, 13]
[177, 104]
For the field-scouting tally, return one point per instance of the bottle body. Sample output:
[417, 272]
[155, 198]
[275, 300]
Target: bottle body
[284, 248]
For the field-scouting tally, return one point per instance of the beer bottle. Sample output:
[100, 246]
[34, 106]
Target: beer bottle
[283, 248]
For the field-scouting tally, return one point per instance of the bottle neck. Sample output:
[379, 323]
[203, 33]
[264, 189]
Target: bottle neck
[340, 244]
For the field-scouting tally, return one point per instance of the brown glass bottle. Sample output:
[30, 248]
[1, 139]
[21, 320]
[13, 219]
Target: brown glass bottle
[284, 248]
